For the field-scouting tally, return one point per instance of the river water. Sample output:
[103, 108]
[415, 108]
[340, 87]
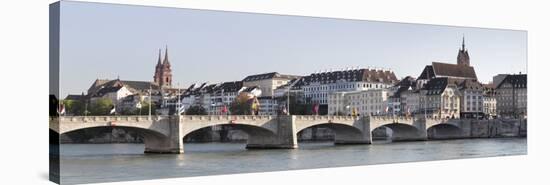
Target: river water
[89, 163]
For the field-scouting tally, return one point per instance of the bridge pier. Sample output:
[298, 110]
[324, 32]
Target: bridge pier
[285, 137]
[365, 137]
[172, 144]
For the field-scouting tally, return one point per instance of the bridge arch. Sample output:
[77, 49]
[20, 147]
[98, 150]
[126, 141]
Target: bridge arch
[444, 131]
[403, 131]
[344, 133]
[259, 135]
[153, 140]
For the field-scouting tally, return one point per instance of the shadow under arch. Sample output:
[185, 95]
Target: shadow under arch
[444, 131]
[153, 140]
[403, 132]
[342, 133]
[257, 136]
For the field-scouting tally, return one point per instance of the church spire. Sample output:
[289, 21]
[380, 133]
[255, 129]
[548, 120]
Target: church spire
[159, 61]
[463, 57]
[166, 56]
[463, 45]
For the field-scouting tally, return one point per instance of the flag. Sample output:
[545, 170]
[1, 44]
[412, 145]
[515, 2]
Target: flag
[284, 110]
[113, 110]
[61, 109]
[181, 109]
[224, 109]
[316, 109]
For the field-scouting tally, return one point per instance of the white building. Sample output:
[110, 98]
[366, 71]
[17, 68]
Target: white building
[268, 106]
[115, 94]
[471, 99]
[221, 96]
[410, 102]
[440, 98]
[216, 98]
[490, 106]
[267, 82]
[318, 86]
[400, 94]
[367, 102]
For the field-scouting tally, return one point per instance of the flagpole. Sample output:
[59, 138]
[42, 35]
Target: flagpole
[150, 94]
[86, 108]
[179, 104]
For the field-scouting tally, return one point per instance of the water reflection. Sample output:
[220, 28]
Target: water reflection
[87, 163]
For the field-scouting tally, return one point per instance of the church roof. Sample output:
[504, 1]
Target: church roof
[141, 86]
[453, 70]
[438, 69]
[106, 90]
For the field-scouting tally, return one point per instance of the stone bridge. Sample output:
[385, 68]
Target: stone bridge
[164, 134]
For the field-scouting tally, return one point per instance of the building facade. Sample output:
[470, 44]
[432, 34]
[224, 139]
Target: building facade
[367, 102]
[268, 106]
[489, 101]
[317, 86]
[267, 82]
[401, 94]
[440, 98]
[511, 96]
[471, 99]
[410, 102]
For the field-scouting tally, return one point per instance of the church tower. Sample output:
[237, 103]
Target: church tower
[463, 58]
[163, 71]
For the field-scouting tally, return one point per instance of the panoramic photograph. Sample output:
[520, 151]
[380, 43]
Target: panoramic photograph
[142, 92]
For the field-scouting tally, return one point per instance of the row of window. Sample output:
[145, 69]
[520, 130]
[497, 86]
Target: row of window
[345, 86]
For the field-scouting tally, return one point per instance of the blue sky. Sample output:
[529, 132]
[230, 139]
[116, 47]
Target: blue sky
[110, 41]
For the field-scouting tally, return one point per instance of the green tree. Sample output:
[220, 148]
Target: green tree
[101, 106]
[240, 108]
[196, 110]
[127, 111]
[74, 107]
[145, 108]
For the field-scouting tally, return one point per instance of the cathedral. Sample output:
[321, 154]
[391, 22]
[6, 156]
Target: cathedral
[163, 71]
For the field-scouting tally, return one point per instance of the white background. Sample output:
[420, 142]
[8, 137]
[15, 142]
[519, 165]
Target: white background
[24, 70]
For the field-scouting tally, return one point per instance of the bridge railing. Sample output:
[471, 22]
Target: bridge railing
[227, 117]
[108, 118]
[395, 118]
[325, 117]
